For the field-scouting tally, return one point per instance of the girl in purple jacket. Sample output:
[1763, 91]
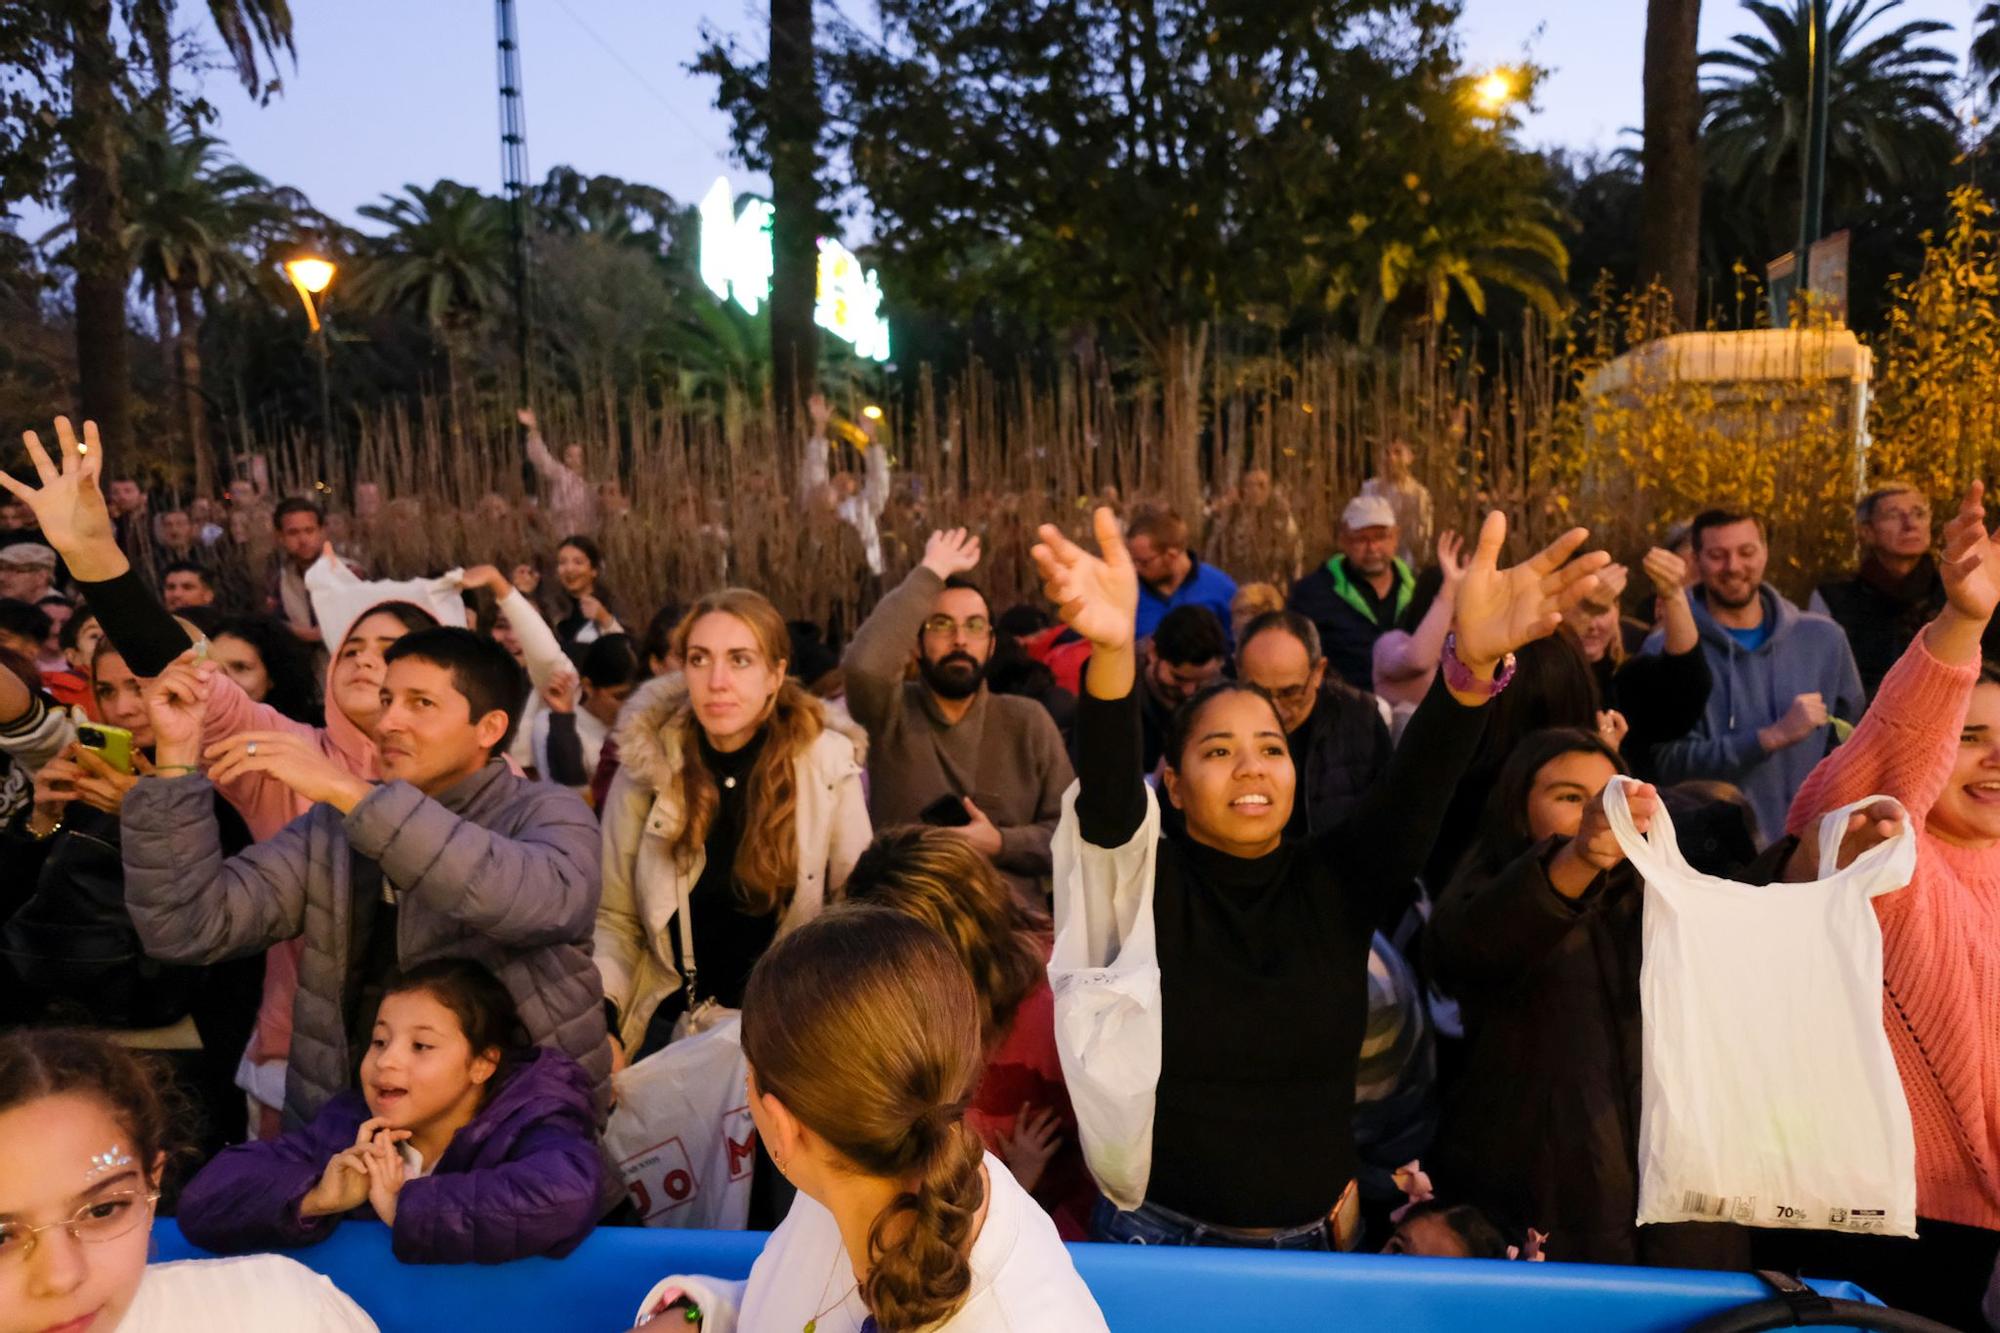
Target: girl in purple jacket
[472, 1145]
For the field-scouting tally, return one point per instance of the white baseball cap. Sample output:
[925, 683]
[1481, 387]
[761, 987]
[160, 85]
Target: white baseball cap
[1367, 511]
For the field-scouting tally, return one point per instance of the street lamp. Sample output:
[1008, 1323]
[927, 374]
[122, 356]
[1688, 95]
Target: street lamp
[311, 275]
[1492, 92]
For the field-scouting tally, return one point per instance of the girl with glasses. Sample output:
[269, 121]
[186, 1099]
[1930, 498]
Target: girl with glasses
[85, 1140]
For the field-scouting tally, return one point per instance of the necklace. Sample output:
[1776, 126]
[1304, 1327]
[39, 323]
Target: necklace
[812, 1324]
[729, 783]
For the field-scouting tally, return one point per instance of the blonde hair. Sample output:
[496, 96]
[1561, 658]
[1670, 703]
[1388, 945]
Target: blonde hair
[938, 878]
[1251, 601]
[766, 870]
[864, 1025]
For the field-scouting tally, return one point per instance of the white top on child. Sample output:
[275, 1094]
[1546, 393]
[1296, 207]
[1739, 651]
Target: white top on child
[252, 1294]
[1022, 1277]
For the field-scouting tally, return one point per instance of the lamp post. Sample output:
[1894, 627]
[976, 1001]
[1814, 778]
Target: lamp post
[311, 275]
[1813, 196]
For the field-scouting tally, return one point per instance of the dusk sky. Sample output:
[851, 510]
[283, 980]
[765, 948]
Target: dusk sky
[392, 91]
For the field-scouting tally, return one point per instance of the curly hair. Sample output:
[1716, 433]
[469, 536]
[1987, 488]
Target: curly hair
[767, 859]
[937, 877]
[864, 1025]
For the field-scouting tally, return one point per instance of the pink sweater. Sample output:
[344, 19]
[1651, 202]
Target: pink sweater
[1940, 936]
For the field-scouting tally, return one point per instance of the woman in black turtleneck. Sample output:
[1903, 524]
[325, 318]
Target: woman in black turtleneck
[1263, 942]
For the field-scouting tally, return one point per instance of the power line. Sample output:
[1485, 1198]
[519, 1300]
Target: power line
[640, 78]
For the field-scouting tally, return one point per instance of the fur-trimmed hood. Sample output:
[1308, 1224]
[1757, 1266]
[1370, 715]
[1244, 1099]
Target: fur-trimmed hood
[653, 720]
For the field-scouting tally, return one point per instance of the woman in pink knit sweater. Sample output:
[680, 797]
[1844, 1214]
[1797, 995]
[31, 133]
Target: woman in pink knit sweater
[1931, 739]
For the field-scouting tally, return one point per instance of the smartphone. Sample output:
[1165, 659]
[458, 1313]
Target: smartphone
[113, 744]
[946, 811]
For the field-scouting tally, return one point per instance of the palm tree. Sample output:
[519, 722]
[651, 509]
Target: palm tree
[193, 220]
[1670, 210]
[249, 28]
[1986, 48]
[1890, 118]
[445, 260]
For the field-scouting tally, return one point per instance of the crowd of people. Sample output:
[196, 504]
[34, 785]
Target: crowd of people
[329, 896]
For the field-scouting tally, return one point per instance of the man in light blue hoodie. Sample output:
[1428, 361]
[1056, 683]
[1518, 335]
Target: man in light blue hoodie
[1782, 676]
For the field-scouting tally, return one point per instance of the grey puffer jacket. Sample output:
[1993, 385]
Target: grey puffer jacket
[495, 868]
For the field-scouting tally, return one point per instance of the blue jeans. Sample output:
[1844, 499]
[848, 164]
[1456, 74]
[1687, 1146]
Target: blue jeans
[1150, 1224]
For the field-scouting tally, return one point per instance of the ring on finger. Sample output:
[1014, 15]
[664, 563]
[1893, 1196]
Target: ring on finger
[250, 749]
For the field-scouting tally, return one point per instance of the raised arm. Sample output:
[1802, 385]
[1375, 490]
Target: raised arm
[545, 463]
[69, 507]
[875, 478]
[880, 650]
[1405, 657]
[189, 903]
[814, 467]
[1385, 838]
[1098, 597]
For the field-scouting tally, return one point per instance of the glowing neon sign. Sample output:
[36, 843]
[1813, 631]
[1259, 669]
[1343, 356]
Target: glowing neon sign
[736, 265]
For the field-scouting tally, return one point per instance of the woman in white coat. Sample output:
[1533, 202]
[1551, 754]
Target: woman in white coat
[735, 816]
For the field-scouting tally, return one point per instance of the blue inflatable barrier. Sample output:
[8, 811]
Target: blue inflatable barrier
[1142, 1290]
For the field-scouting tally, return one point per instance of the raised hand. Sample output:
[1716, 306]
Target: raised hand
[1096, 595]
[1451, 561]
[951, 552]
[1612, 726]
[1498, 610]
[177, 703]
[1595, 848]
[560, 694]
[1868, 827]
[1667, 571]
[818, 412]
[526, 416]
[69, 502]
[1970, 565]
[485, 576]
[292, 760]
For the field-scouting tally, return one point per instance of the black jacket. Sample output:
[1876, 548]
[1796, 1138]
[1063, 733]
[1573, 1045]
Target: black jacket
[1346, 636]
[1341, 752]
[1662, 697]
[1882, 613]
[71, 951]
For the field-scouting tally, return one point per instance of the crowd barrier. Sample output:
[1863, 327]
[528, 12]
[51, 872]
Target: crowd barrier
[597, 1289]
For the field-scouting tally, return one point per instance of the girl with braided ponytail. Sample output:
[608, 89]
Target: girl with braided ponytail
[862, 1033]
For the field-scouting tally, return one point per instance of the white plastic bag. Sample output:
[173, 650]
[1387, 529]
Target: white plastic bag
[1105, 973]
[1769, 1094]
[681, 1133]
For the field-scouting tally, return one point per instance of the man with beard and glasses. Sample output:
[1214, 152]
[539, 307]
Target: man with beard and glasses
[943, 748]
[1784, 678]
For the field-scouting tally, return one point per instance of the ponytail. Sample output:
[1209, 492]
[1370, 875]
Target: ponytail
[921, 1243]
[864, 1024]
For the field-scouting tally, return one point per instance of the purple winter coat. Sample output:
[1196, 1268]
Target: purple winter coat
[524, 1178]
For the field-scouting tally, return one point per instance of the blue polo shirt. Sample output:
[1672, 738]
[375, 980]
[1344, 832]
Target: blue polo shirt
[1205, 585]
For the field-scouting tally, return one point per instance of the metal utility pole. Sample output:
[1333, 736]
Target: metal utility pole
[514, 176]
[1813, 202]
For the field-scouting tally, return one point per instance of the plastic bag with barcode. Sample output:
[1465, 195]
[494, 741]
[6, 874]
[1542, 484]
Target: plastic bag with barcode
[1769, 1096]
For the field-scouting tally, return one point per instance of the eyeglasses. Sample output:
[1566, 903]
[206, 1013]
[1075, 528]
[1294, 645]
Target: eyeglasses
[1292, 695]
[103, 1219]
[1919, 514]
[944, 627]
